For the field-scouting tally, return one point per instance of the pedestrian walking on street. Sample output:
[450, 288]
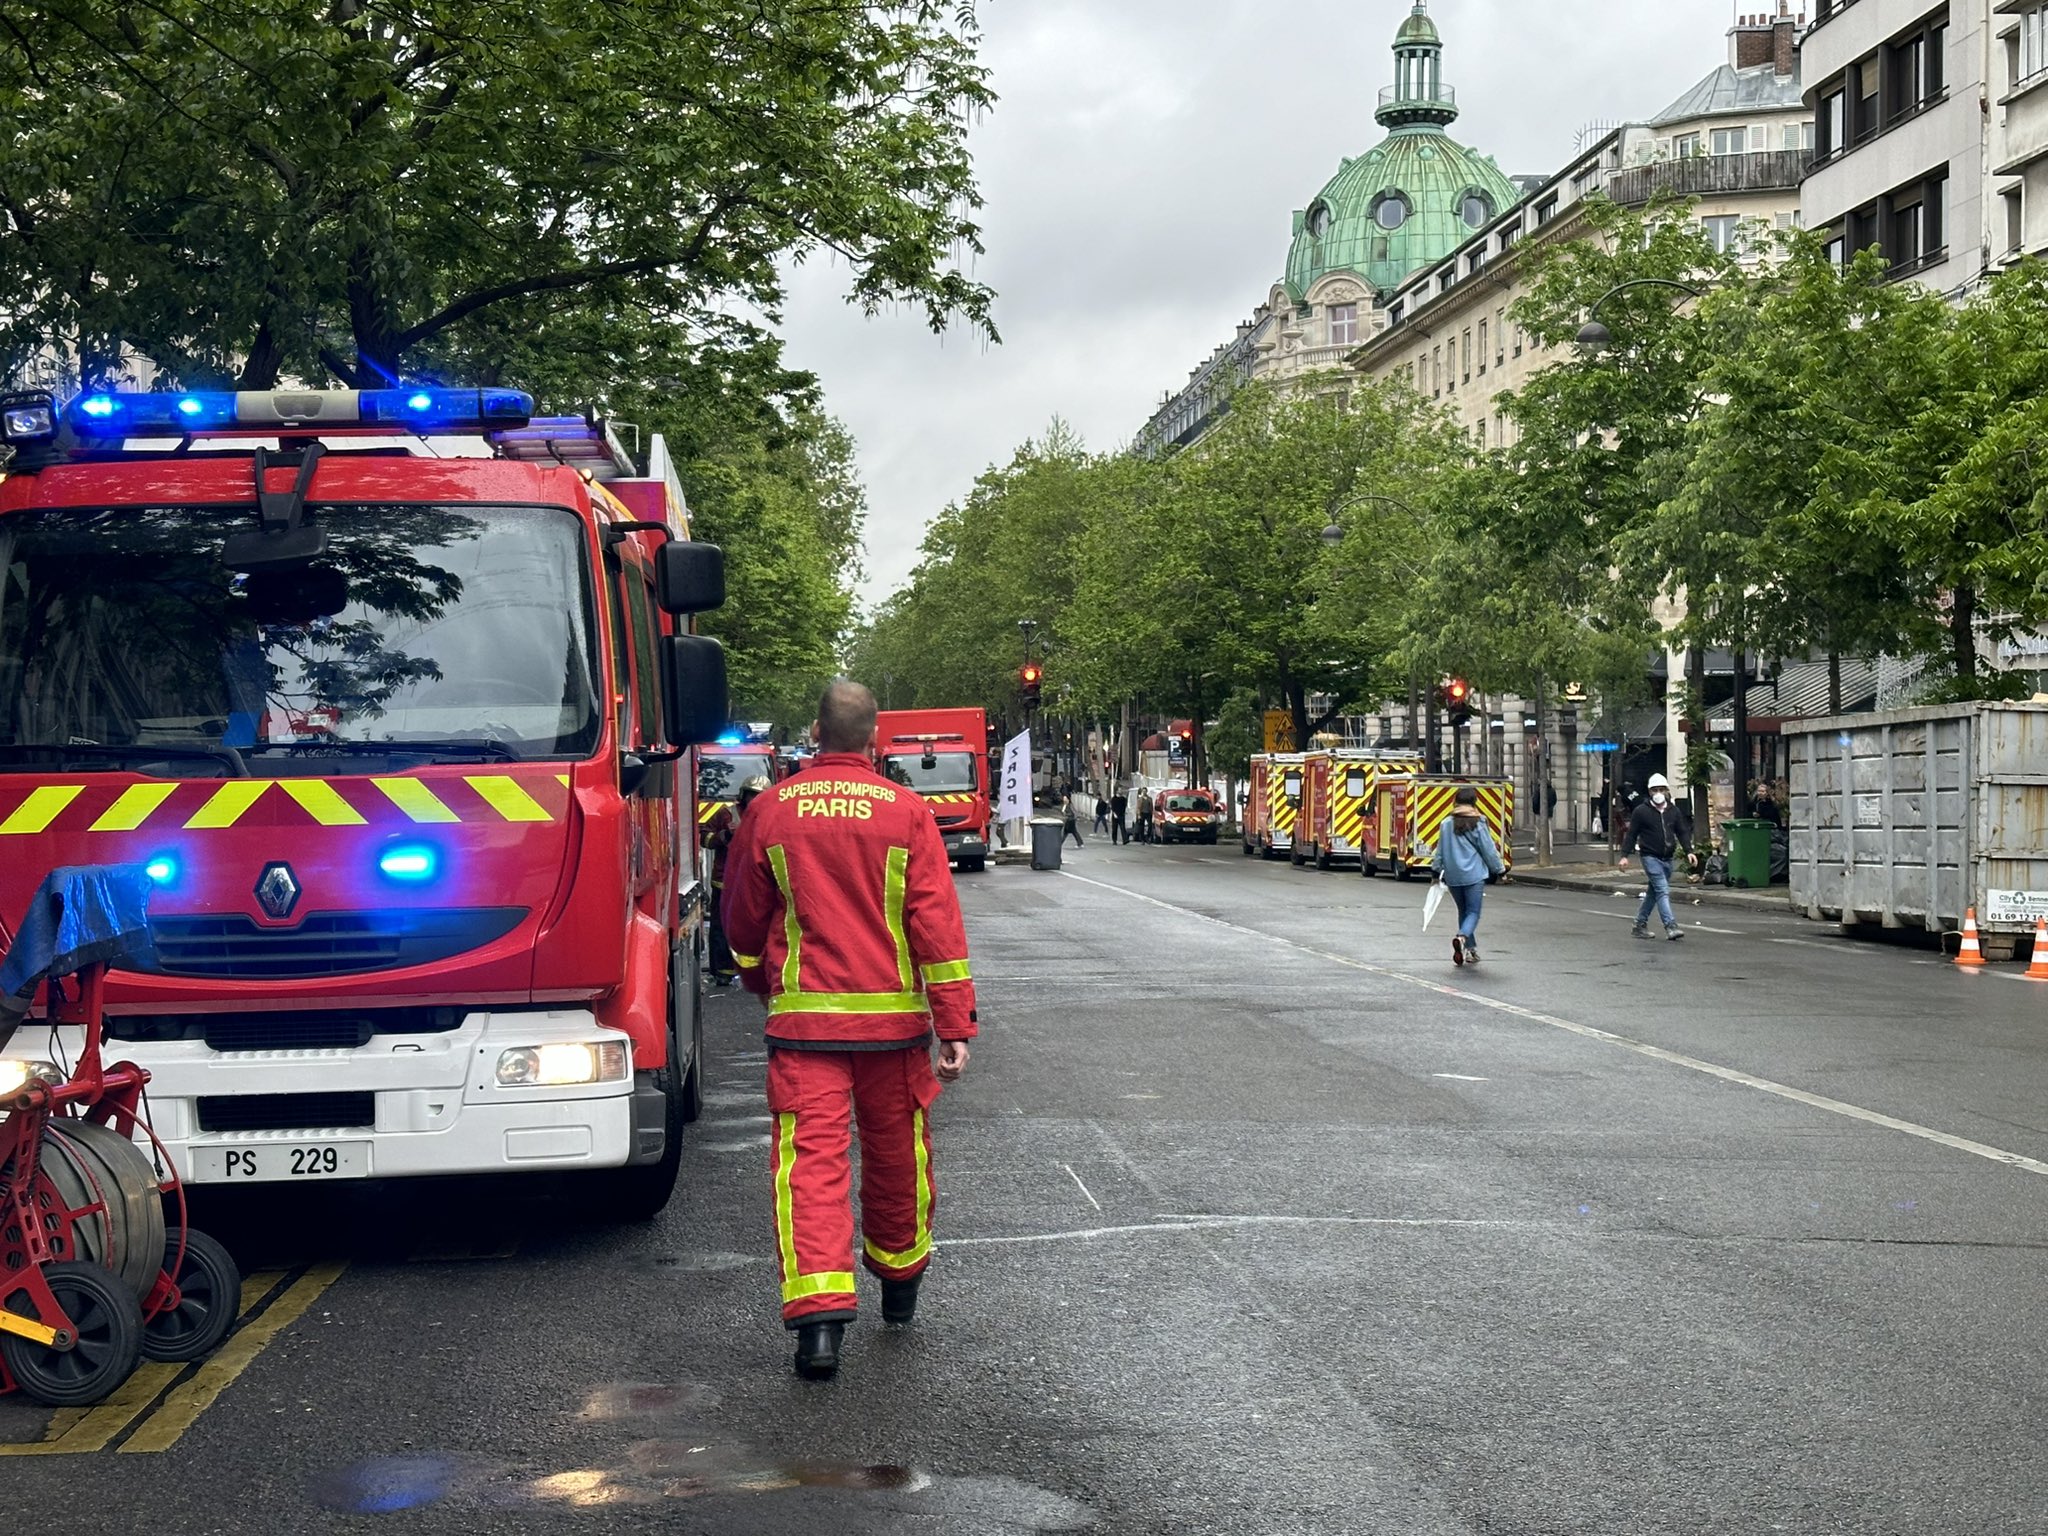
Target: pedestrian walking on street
[1101, 816]
[1659, 828]
[1070, 814]
[1119, 816]
[1144, 815]
[844, 921]
[1466, 858]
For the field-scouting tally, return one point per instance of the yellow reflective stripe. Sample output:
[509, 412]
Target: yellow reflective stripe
[830, 1283]
[135, 806]
[749, 961]
[921, 1243]
[785, 1204]
[323, 802]
[903, 1260]
[228, 804]
[792, 929]
[847, 1002]
[708, 810]
[41, 807]
[892, 911]
[415, 799]
[946, 970]
[562, 779]
[501, 792]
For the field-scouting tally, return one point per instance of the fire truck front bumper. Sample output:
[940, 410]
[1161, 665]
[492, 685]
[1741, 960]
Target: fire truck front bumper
[502, 1092]
[967, 843]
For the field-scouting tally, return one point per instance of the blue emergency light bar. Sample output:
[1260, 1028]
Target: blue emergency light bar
[117, 414]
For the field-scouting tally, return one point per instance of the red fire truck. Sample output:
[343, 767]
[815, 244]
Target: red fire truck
[1272, 806]
[943, 755]
[724, 767]
[393, 694]
[1342, 787]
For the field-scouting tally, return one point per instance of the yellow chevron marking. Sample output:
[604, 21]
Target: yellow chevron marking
[228, 804]
[320, 800]
[562, 779]
[708, 810]
[501, 792]
[135, 806]
[42, 807]
[415, 799]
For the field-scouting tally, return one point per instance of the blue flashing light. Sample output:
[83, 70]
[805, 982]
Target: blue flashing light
[411, 410]
[409, 862]
[162, 870]
[97, 406]
[446, 410]
[732, 739]
[189, 407]
[420, 401]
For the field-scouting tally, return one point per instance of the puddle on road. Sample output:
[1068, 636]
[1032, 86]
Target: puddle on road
[708, 1263]
[678, 1462]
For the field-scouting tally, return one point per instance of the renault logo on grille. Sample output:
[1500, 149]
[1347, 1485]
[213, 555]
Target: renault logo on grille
[277, 890]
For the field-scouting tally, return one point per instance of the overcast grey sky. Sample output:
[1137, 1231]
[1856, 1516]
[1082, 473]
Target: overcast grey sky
[1140, 173]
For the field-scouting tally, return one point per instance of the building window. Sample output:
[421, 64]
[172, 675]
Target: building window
[1467, 369]
[2015, 220]
[1482, 434]
[1319, 220]
[1837, 249]
[1509, 236]
[1390, 211]
[1500, 337]
[1546, 211]
[1724, 230]
[1685, 147]
[1476, 261]
[1916, 76]
[1482, 346]
[1394, 315]
[2033, 45]
[1475, 207]
[1863, 112]
[1731, 141]
[1343, 325]
[1798, 136]
[1436, 372]
[1917, 216]
[1831, 127]
[1518, 341]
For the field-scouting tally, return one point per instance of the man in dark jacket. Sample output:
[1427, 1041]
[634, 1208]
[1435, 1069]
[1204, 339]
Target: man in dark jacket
[1659, 828]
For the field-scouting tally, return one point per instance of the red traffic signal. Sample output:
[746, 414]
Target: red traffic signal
[1029, 676]
[1457, 695]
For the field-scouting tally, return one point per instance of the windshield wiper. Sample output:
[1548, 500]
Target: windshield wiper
[455, 746]
[237, 768]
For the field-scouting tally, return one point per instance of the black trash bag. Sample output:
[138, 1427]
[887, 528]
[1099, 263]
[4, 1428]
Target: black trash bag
[1716, 870]
[1781, 857]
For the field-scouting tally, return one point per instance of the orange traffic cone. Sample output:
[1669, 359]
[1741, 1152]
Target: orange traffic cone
[1970, 952]
[2037, 968]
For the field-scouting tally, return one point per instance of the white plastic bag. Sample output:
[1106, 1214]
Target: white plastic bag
[1433, 899]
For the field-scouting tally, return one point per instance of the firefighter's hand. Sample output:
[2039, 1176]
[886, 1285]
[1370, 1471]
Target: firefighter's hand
[952, 1060]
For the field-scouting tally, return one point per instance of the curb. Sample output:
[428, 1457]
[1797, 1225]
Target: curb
[1604, 885]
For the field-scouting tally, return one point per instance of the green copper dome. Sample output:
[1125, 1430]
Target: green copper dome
[1413, 200]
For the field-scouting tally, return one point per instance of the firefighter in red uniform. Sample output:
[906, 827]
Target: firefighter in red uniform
[841, 913]
[719, 832]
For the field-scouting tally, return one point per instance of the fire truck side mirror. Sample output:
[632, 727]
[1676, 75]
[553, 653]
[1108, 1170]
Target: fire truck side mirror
[689, 578]
[693, 689]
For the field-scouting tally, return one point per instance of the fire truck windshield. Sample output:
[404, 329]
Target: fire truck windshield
[422, 629]
[720, 774]
[950, 772]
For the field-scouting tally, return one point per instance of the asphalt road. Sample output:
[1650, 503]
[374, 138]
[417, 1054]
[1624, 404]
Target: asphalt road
[1256, 1217]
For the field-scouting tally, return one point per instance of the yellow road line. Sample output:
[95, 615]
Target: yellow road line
[162, 1429]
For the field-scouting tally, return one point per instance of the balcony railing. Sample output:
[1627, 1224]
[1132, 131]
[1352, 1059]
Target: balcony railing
[1771, 170]
[1429, 96]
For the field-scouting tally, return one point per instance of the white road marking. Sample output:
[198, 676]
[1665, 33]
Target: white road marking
[1459, 1077]
[1608, 1037]
[1080, 1186]
[1703, 928]
[1214, 1223]
[1808, 944]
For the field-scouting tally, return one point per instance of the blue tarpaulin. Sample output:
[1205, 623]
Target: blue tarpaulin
[79, 915]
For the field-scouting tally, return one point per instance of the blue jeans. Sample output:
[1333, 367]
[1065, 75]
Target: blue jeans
[1469, 899]
[1658, 897]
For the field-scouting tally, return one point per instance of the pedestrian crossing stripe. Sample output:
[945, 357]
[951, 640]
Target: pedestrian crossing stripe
[221, 804]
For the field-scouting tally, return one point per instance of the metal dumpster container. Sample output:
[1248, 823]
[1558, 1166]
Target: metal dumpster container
[1907, 818]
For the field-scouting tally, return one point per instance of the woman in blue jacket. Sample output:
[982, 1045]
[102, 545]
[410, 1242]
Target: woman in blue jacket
[1466, 858]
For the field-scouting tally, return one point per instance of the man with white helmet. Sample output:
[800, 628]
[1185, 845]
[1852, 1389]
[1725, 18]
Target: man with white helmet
[1659, 828]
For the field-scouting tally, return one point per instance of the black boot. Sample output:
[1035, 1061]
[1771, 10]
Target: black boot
[817, 1350]
[899, 1299]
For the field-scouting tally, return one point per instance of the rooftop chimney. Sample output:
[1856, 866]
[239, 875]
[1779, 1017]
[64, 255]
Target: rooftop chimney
[1761, 38]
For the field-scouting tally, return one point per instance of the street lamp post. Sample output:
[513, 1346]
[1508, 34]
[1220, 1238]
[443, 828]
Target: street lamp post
[1594, 337]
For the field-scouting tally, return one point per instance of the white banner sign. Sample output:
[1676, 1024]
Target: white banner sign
[2015, 907]
[1013, 796]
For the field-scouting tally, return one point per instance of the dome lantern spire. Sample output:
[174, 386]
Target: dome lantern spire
[1418, 98]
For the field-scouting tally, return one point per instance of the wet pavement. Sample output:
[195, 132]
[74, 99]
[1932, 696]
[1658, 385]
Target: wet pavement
[1256, 1216]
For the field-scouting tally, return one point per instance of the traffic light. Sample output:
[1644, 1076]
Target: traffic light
[1458, 700]
[1029, 677]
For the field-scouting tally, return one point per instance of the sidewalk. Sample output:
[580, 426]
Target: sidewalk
[1586, 868]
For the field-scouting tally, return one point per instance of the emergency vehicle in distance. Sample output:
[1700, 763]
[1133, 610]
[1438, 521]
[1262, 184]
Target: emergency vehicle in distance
[1340, 799]
[943, 755]
[1185, 816]
[1272, 805]
[1411, 807]
[724, 767]
[393, 694]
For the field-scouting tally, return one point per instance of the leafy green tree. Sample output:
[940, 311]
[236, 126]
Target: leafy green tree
[368, 188]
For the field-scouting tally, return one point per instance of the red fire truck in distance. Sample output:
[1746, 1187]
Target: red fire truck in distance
[724, 767]
[393, 693]
[943, 755]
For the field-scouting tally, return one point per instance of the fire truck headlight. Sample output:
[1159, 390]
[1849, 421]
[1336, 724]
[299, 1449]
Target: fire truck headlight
[17, 1075]
[563, 1065]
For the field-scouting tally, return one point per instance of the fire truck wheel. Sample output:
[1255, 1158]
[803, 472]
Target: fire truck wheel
[1401, 869]
[209, 1290]
[1368, 864]
[109, 1321]
[1294, 855]
[1322, 859]
[973, 866]
[1249, 850]
[641, 1192]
